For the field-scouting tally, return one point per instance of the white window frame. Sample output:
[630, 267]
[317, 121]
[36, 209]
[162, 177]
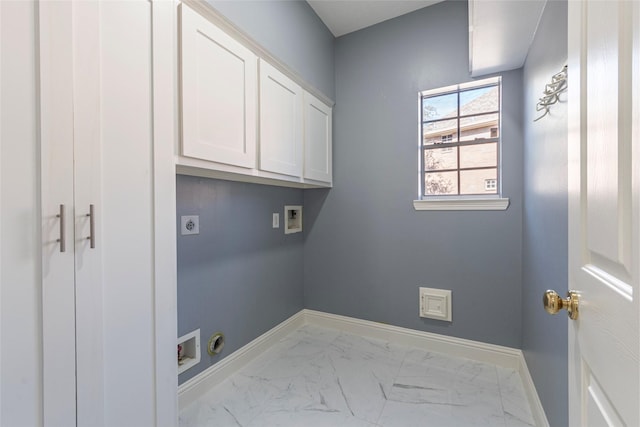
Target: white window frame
[458, 202]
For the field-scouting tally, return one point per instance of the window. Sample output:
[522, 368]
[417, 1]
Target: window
[460, 143]
[490, 185]
[447, 138]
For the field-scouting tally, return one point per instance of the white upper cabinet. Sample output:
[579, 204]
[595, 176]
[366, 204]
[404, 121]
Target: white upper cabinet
[244, 115]
[280, 122]
[219, 94]
[317, 139]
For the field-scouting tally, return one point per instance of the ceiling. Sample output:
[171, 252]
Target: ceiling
[500, 31]
[345, 16]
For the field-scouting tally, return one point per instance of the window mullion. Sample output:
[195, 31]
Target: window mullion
[458, 148]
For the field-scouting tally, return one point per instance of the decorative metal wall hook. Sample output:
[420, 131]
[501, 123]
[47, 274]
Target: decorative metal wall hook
[552, 92]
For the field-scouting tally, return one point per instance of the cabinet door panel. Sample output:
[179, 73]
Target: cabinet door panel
[317, 139]
[126, 222]
[219, 79]
[58, 281]
[112, 148]
[87, 190]
[20, 232]
[280, 122]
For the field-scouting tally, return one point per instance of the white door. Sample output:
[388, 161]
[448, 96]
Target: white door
[604, 212]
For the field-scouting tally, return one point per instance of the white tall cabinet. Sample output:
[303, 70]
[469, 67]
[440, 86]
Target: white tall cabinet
[86, 278]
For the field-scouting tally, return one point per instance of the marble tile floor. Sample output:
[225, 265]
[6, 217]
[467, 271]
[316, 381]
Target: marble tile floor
[317, 377]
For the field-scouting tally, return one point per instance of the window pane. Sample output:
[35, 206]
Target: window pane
[479, 156]
[440, 107]
[479, 181]
[441, 158]
[482, 100]
[440, 183]
[439, 132]
[461, 139]
[476, 127]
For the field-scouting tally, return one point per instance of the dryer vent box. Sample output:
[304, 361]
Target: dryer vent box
[293, 219]
[435, 304]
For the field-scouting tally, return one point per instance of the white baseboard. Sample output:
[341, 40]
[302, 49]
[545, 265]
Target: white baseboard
[539, 416]
[458, 347]
[190, 390]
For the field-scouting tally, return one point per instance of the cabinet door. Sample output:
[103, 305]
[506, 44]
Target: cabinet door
[58, 266]
[317, 139]
[114, 149]
[21, 251]
[280, 122]
[219, 97]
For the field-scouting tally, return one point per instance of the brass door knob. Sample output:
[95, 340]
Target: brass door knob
[553, 303]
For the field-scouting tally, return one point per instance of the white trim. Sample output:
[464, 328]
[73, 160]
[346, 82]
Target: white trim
[190, 390]
[539, 416]
[466, 204]
[506, 357]
[202, 168]
[164, 75]
[458, 347]
[462, 86]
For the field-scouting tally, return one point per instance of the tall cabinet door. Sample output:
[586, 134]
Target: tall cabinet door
[219, 97]
[57, 201]
[88, 212]
[126, 211]
[280, 122]
[20, 226]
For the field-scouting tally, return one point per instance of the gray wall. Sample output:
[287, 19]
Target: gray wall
[367, 250]
[545, 217]
[291, 31]
[239, 275]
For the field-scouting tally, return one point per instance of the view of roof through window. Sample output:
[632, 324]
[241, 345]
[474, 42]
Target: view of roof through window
[460, 140]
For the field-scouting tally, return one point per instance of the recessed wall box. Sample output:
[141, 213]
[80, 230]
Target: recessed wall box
[435, 304]
[293, 219]
[189, 224]
[188, 351]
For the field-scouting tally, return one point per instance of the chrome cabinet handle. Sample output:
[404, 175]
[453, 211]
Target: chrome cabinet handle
[92, 227]
[63, 246]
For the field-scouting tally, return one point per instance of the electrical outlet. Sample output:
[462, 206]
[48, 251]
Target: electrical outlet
[189, 224]
[275, 222]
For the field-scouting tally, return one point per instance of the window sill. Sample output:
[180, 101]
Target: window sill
[466, 204]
